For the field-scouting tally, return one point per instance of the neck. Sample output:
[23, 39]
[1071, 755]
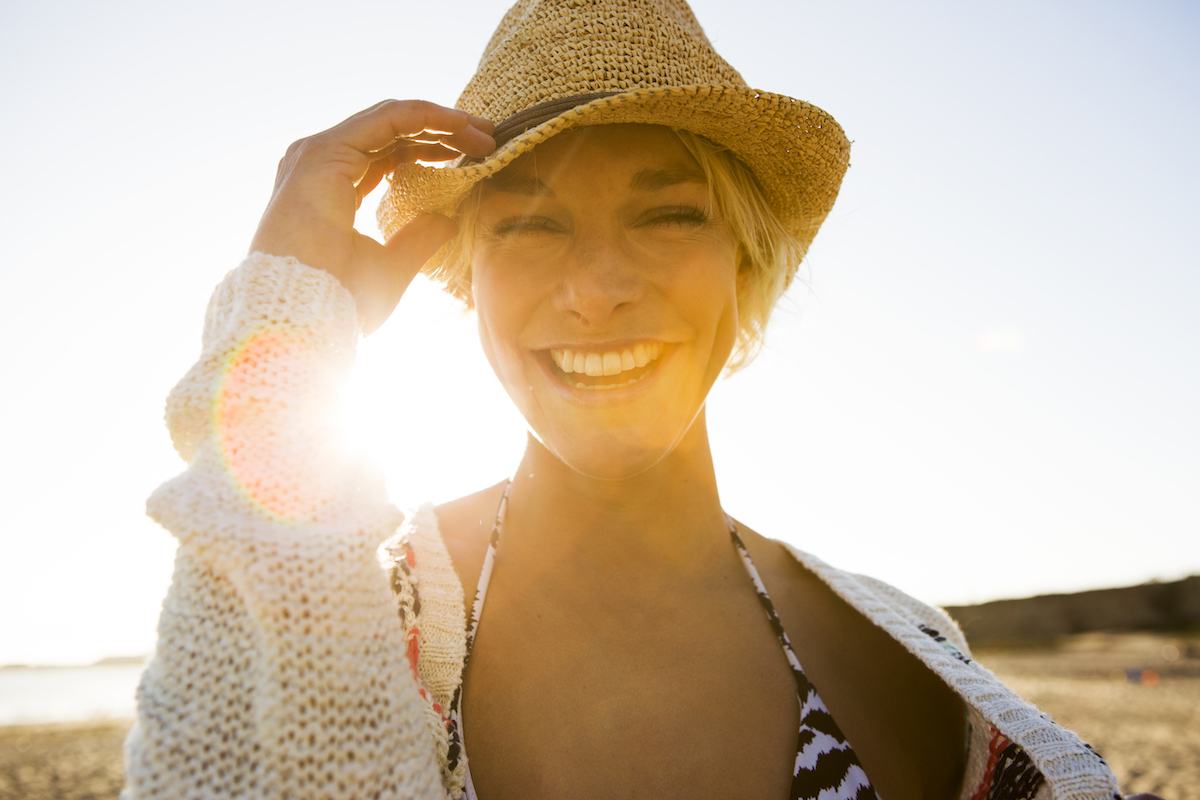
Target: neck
[667, 517]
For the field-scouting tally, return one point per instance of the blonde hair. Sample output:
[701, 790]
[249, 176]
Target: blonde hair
[768, 255]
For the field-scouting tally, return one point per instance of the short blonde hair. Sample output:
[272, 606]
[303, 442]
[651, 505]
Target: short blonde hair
[768, 255]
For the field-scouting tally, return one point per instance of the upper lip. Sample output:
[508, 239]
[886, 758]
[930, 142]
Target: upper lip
[616, 344]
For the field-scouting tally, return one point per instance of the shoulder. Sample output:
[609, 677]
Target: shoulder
[893, 642]
[879, 602]
[877, 667]
[849, 621]
[465, 527]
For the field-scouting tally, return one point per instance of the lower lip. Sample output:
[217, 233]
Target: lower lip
[594, 397]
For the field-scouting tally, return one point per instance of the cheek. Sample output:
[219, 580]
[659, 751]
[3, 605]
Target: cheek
[718, 297]
[489, 308]
[710, 291]
[726, 336]
[502, 309]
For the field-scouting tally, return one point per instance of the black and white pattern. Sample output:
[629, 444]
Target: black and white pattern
[826, 766]
[485, 577]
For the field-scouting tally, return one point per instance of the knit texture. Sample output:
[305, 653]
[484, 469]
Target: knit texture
[1070, 768]
[280, 668]
[298, 658]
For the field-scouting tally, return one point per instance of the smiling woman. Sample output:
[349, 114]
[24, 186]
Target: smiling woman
[622, 232]
[767, 252]
[604, 242]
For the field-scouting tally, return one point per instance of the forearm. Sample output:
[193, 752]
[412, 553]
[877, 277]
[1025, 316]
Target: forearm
[280, 668]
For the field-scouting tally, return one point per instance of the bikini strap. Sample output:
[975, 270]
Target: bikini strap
[485, 574]
[760, 589]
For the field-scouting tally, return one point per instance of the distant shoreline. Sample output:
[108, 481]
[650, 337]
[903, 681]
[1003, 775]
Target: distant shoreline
[14, 728]
[37, 695]
[112, 661]
[1163, 606]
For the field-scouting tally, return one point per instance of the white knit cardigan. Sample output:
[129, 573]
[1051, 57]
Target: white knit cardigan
[297, 658]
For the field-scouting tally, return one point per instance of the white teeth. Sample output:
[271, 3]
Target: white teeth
[611, 362]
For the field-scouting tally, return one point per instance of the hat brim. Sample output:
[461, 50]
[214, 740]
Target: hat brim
[797, 152]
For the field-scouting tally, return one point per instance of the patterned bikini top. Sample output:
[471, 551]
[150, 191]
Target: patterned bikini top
[826, 766]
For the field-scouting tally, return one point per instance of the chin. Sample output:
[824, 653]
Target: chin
[613, 469]
[612, 456]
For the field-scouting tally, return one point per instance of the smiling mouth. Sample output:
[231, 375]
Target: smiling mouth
[611, 369]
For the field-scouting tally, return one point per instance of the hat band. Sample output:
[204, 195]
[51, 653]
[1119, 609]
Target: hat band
[522, 121]
[512, 127]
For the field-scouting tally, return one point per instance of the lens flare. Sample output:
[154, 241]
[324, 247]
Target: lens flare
[268, 439]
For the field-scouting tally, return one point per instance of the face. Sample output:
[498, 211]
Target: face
[605, 284]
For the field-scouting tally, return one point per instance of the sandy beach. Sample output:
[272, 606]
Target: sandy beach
[66, 761]
[1134, 697]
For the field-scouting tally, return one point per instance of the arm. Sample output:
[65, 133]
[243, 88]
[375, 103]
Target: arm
[281, 668]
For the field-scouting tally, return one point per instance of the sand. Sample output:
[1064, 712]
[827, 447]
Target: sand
[1149, 731]
[62, 762]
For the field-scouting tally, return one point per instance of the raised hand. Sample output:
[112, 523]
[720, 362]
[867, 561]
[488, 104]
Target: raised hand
[322, 180]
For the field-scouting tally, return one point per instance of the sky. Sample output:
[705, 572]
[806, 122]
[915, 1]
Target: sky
[986, 384]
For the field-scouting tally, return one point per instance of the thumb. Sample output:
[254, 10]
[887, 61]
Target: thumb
[416, 242]
[408, 250]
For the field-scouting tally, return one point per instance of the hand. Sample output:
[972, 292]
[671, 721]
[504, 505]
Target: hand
[321, 183]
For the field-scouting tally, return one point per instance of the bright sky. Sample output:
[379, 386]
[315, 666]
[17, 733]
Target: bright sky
[989, 388]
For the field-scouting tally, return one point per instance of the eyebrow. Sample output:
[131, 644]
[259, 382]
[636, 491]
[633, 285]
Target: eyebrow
[646, 180]
[651, 180]
[511, 184]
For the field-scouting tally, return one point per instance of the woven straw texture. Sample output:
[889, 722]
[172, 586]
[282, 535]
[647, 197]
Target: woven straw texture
[655, 65]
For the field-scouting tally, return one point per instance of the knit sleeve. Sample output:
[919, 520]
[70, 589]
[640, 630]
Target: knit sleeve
[280, 668]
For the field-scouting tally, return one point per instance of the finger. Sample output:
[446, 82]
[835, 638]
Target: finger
[369, 181]
[403, 155]
[471, 141]
[406, 252]
[485, 125]
[379, 126]
[429, 148]
[425, 152]
[408, 150]
[416, 242]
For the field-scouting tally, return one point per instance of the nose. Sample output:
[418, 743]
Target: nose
[599, 279]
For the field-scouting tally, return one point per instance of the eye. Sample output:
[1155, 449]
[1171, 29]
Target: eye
[674, 217]
[524, 226]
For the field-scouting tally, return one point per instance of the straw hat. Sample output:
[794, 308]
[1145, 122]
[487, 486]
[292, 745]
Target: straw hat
[553, 65]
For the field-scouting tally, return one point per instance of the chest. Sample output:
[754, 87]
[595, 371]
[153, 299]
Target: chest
[687, 697]
[586, 693]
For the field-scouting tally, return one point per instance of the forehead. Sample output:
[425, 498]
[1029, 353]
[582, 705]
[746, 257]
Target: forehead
[647, 156]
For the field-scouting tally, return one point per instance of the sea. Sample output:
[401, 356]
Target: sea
[36, 695]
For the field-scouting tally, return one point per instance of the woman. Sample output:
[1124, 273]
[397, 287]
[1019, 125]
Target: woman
[623, 233]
